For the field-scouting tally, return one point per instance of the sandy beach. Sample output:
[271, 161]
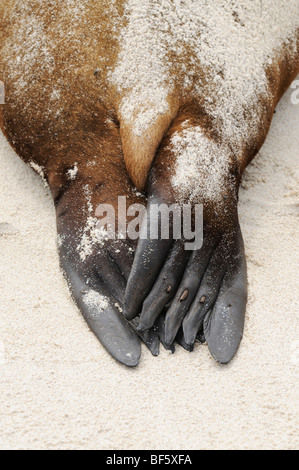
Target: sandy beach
[59, 389]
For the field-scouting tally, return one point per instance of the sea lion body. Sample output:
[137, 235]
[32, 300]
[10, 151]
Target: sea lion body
[174, 96]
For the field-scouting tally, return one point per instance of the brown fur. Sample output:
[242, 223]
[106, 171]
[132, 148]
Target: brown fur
[83, 124]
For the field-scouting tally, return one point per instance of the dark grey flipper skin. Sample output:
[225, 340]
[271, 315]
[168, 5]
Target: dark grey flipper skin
[224, 324]
[149, 258]
[189, 286]
[201, 337]
[160, 328]
[218, 310]
[97, 280]
[200, 295]
[181, 341]
[165, 287]
[108, 325]
[149, 337]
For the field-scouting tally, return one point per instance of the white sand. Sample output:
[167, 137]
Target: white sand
[60, 389]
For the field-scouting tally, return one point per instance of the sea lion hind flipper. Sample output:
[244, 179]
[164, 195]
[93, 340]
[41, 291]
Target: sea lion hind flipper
[201, 272]
[102, 315]
[149, 258]
[99, 294]
[160, 328]
[223, 325]
[181, 341]
[165, 286]
[149, 337]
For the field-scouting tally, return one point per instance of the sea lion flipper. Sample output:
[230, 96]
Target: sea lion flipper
[203, 279]
[165, 286]
[103, 316]
[149, 258]
[180, 339]
[203, 272]
[97, 268]
[160, 328]
[149, 337]
[223, 326]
